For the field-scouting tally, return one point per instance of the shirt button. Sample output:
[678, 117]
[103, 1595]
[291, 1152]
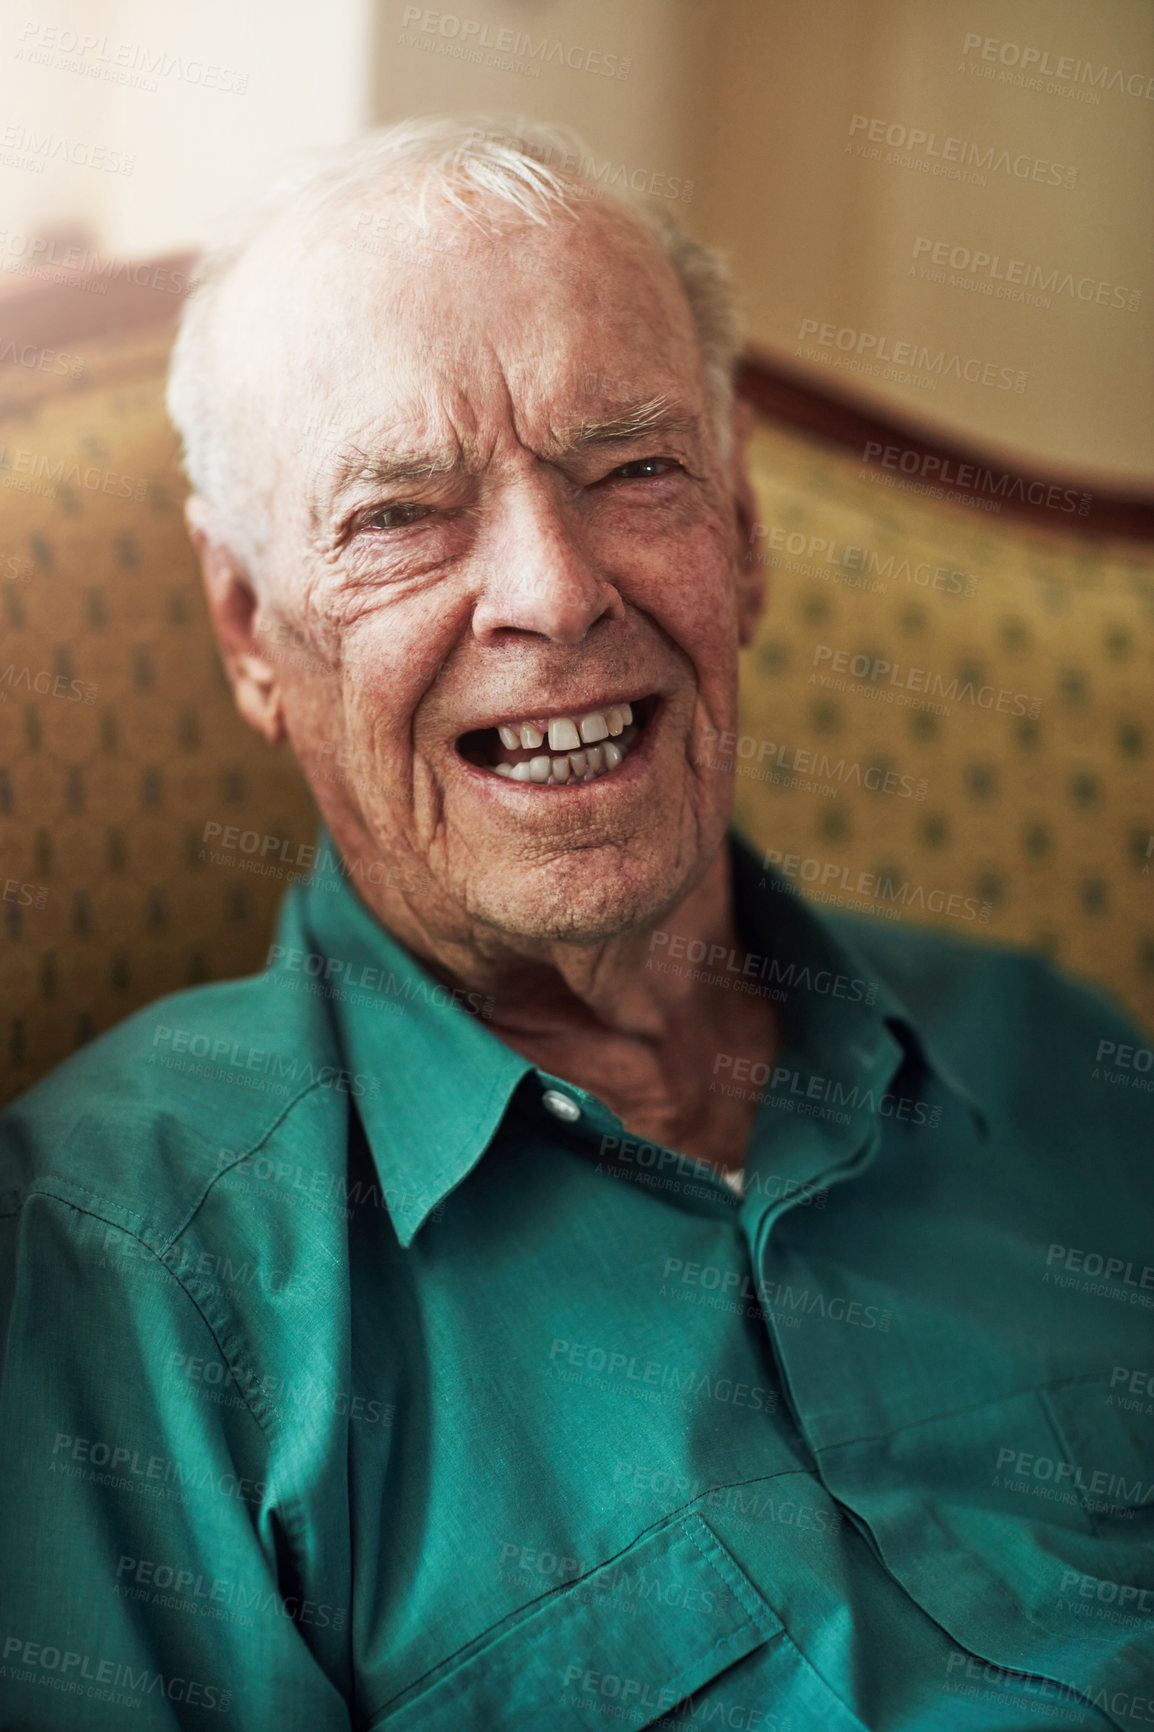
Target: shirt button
[561, 1106]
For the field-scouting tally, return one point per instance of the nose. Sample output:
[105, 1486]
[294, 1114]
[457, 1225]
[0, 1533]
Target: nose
[540, 576]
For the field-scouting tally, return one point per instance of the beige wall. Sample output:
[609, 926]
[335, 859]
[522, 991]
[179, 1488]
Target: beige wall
[626, 77]
[739, 113]
[238, 84]
[821, 233]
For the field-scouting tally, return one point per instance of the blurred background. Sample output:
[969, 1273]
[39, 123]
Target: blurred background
[939, 218]
[749, 111]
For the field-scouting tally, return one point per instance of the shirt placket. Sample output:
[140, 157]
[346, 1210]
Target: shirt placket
[827, 1136]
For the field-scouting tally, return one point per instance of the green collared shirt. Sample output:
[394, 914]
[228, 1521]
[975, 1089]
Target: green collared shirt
[358, 1373]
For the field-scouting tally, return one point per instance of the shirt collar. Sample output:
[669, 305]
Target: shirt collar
[432, 1081]
[826, 974]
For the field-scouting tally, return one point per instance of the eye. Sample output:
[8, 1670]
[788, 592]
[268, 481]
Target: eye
[643, 469]
[396, 516]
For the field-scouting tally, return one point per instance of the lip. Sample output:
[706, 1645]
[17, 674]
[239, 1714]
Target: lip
[634, 765]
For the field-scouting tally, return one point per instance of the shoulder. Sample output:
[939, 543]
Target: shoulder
[937, 972]
[1000, 1014]
[134, 1124]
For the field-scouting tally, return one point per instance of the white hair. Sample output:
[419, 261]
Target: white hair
[542, 171]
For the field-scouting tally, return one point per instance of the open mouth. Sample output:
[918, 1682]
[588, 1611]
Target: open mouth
[559, 751]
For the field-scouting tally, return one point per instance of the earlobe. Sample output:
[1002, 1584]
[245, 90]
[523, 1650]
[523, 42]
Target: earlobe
[258, 698]
[234, 609]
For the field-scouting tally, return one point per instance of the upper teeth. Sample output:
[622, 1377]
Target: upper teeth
[563, 735]
[575, 739]
[567, 733]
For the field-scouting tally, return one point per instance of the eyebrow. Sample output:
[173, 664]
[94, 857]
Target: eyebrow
[657, 415]
[398, 466]
[636, 420]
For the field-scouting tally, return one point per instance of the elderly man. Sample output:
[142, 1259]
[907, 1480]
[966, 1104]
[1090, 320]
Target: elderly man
[486, 1318]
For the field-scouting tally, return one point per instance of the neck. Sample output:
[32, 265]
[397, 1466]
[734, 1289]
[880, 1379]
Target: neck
[626, 984]
[632, 1018]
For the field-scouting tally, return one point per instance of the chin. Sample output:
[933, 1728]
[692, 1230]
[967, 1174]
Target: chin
[586, 897]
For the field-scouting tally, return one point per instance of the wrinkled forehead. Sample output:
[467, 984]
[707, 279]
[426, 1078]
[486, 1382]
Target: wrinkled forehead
[374, 313]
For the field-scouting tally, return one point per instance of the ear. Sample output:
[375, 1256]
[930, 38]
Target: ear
[234, 608]
[751, 573]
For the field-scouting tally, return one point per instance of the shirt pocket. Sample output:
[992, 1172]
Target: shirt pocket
[625, 1644]
[987, 1518]
[1108, 1434]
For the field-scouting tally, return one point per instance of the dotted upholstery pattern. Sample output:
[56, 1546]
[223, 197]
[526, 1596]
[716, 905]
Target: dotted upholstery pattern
[995, 777]
[119, 742]
[1027, 817]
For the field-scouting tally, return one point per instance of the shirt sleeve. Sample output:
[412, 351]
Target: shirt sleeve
[144, 1575]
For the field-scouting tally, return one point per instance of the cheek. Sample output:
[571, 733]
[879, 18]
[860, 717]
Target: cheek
[390, 664]
[378, 724]
[388, 755]
[688, 588]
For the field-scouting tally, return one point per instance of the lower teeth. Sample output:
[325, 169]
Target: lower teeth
[583, 766]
